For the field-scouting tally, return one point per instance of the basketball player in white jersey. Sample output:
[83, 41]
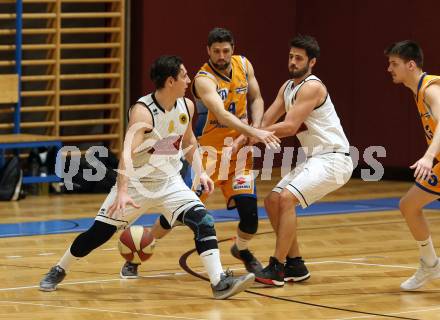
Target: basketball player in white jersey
[149, 178]
[311, 116]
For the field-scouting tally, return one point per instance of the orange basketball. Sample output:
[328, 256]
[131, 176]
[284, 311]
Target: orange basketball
[136, 244]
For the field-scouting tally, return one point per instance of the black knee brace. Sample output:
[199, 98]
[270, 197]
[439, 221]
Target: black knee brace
[98, 234]
[201, 223]
[248, 212]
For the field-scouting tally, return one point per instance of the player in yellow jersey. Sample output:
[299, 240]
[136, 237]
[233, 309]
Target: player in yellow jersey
[223, 88]
[405, 66]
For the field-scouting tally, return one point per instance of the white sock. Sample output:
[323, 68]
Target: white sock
[212, 264]
[427, 252]
[66, 260]
[241, 243]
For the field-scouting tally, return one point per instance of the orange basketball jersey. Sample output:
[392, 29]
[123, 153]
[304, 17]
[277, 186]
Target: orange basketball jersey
[233, 91]
[428, 121]
[432, 183]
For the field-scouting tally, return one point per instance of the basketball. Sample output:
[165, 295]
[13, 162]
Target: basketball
[136, 244]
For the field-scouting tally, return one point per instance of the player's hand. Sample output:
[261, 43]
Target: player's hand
[238, 143]
[207, 183]
[117, 209]
[423, 168]
[268, 138]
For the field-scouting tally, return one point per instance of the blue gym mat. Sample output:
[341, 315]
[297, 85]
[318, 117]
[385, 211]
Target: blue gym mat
[321, 208]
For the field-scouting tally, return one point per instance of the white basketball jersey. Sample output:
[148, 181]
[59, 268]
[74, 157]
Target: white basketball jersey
[161, 152]
[324, 131]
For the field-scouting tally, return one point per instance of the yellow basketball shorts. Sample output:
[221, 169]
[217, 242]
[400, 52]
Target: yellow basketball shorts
[234, 176]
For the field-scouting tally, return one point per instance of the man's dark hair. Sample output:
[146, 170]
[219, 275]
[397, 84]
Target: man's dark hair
[406, 50]
[220, 35]
[164, 67]
[307, 43]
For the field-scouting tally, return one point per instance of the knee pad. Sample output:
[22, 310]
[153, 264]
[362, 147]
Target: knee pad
[98, 234]
[248, 212]
[201, 223]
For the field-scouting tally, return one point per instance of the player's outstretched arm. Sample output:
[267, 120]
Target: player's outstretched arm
[206, 90]
[310, 96]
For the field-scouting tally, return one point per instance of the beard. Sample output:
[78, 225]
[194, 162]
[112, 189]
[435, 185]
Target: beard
[295, 74]
[223, 66]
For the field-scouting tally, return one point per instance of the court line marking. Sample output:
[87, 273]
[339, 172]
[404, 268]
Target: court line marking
[394, 313]
[109, 249]
[372, 264]
[82, 282]
[310, 304]
[160, 275]
[183, 264]
[102, 280]
[184, 273]
[100, 310]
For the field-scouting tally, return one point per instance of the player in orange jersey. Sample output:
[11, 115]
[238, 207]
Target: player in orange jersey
[405, 66]
[223, 87]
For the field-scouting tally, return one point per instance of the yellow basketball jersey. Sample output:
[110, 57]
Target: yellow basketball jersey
[233, 91]
[428, 121]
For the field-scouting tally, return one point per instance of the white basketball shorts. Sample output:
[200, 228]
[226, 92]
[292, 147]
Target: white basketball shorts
[170, 197]
[316, 177]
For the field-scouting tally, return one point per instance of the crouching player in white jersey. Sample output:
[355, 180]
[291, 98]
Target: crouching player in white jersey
[149, 178]
[311, 116]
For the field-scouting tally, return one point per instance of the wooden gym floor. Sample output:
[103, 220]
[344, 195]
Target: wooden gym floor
[357, 261]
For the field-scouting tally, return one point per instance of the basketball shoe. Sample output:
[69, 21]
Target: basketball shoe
[422, 275]
[50, 281]
[230, 285]
[295, 270]
[273, 274]
[129, 270]
[250, 262]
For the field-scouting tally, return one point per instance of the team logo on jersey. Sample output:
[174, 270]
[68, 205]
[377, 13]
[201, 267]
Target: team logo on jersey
[167, 146]
[243, 182]
[241, 90]
[171, 127]
[428, 132]
[223, 93]
[183, 118]
[433, 180]
[155, 112]
[426, 115]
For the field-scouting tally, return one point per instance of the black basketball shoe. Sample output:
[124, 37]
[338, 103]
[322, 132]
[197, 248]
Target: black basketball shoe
[273, 274]
[295, 270]
[250, 262]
